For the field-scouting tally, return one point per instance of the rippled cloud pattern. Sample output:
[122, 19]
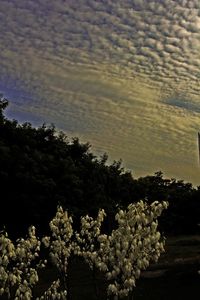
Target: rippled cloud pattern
[121, 74]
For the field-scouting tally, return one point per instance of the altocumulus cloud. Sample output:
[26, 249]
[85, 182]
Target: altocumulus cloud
[121, 74]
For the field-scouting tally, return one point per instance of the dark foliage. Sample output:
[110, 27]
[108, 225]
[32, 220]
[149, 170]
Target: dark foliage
[41, 168]
[183, 214]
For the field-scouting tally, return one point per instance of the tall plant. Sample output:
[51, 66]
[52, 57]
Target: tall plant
[121, 256]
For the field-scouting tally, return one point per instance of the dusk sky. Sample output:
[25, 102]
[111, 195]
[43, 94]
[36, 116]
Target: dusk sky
[123, 75]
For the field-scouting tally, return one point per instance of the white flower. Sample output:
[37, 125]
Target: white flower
[121, 255]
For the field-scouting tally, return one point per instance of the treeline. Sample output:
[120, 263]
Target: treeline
[41, 168]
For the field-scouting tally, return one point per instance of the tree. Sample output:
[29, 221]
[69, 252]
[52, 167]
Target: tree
[41, 168]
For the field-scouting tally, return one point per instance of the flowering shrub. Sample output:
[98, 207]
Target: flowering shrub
[122, 255]
[60, 247]
[86, 240]
[19, 264]
[128, 250]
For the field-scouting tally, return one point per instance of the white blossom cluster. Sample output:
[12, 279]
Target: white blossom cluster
[86, 240]
[60, 245]
[122, 255]
[128, 250]
[19, 264]
[53, 292]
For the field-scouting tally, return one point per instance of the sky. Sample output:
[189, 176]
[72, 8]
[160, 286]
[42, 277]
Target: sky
[123, 75]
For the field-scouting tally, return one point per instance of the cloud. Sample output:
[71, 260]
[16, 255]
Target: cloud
[123, 75]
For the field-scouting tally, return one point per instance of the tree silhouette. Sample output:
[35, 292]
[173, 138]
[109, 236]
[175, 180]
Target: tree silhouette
[41, 168]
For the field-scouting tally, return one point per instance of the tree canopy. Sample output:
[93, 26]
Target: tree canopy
[41, 168]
